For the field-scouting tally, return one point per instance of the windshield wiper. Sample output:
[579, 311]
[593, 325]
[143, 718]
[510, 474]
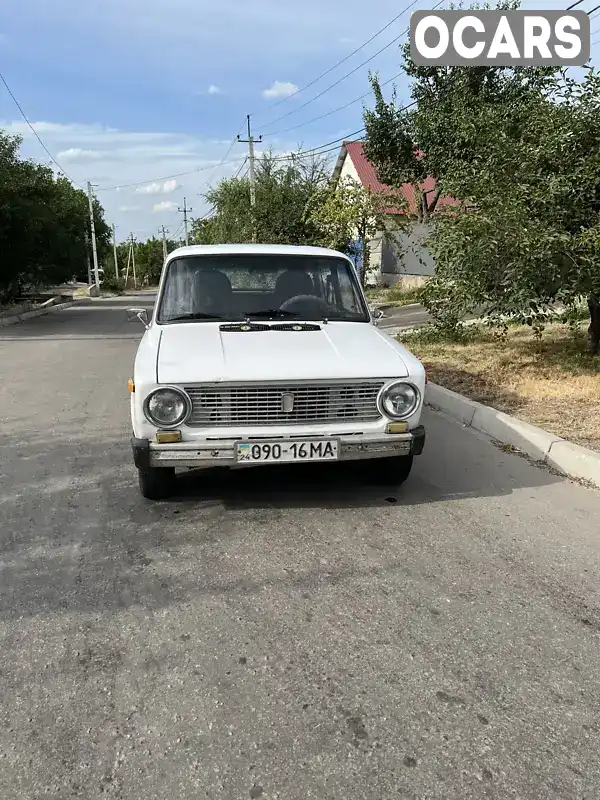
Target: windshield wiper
[270, 312]
[200, 315]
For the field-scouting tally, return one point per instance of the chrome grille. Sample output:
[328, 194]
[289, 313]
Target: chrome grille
[271, 404]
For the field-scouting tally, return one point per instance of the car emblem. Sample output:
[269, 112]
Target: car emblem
[297, 328]
[245, 328]
[287, 403]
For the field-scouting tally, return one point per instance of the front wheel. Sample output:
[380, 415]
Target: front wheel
[157, 483]
[391, 471]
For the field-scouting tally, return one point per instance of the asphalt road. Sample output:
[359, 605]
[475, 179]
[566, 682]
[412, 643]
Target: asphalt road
[285, 634]
[412, 315]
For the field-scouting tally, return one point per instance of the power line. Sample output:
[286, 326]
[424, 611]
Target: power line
[178, 232]
[329, 113]
[367, 94]
[343, 78]
[241, 167]
[35, 133]
[164, 177]
[311, 151]
[226, 156]
[346, 58]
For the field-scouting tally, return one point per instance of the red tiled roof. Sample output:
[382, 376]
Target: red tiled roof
[366, 173]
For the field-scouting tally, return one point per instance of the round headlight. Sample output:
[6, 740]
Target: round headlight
[399, 400]
[167, 408]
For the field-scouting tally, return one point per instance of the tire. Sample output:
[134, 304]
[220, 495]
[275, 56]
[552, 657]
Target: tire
[391, 471]
[157, 483]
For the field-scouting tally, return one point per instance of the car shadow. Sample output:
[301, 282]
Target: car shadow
[457, 463]
[80, 536]
[290, 486]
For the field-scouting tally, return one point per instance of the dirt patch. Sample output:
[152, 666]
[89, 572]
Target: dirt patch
[553, 383]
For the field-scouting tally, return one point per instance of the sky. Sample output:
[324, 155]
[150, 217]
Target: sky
[144, 98]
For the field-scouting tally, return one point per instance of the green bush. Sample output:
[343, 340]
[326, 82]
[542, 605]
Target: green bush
[113, 284]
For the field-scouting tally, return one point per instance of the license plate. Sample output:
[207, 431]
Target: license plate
[280, 452]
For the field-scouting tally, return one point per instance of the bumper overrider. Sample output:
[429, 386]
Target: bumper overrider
[215, 453]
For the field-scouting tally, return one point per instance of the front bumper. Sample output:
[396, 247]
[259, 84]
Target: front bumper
[221, 453]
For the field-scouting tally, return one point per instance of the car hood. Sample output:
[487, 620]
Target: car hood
[202, 353]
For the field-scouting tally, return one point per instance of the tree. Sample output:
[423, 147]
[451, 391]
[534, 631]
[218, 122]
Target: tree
[347, 212]
[433, 133]
[519, 149]
[43, 219]
[283, 190]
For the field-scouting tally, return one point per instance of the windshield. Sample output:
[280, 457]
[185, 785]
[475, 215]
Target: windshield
[260, 286]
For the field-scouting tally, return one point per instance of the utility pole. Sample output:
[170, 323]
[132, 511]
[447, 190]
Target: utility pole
[164, 238]
[115, 252]
[133, 260]
[250, 142]
[87, 251]
[128, 263]
[93, 228]
[184, 211]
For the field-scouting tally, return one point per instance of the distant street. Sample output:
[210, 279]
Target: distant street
[281, 633]
[403, 316]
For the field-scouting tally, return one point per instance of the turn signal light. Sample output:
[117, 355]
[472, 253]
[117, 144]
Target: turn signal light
[397, 427]
[168, 437]
[131, 385]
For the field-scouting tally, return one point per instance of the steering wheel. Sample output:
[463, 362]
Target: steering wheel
[306, 301]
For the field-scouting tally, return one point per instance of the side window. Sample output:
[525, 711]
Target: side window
[347, 293]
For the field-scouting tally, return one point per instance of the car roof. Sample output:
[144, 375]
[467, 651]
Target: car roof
[237, 249]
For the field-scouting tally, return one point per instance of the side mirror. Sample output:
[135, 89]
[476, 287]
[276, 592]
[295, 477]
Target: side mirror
[141, 314]
[376, 315]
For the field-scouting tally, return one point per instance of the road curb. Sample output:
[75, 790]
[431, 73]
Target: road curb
[389, 306]
[567, 458]
[45, 308]
[395, 329]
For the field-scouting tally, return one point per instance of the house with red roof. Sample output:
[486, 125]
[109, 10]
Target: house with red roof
[404, 257]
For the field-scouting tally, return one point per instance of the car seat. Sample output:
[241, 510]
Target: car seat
[213, 293]
[292, 283]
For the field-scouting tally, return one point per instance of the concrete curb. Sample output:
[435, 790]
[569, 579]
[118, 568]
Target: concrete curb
[567, 458]
[389, 306]
[45, 308]
[395, 330]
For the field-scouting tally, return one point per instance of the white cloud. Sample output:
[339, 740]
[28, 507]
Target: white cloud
[212, 89]
[125, 162]
[150, 188]
[78, 154]
[158, 188]
[280, 89]
[166, 205]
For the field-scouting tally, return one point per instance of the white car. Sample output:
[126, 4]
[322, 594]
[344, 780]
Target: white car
[269, 354]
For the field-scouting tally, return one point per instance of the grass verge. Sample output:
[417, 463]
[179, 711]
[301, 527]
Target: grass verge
[393, 297]
[553, 383]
